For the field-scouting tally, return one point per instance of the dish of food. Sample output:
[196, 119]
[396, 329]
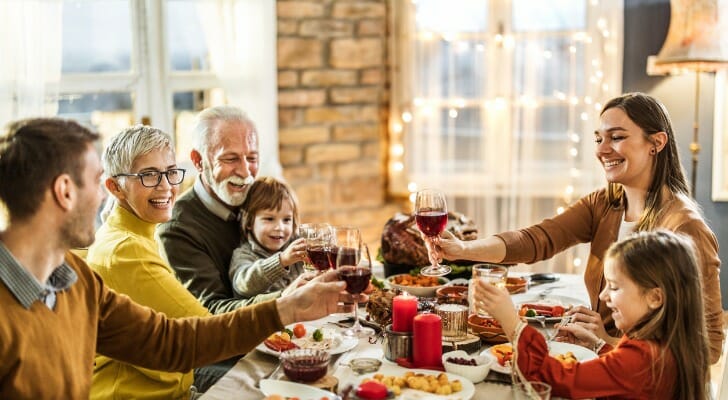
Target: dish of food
[285, 389]
[550, 308]
[330, 340]
[488, 329]
[516, 284]
[417, 285]
[391, 372]
[502, 354]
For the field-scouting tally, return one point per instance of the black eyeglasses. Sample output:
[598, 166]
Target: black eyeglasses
[175, 176]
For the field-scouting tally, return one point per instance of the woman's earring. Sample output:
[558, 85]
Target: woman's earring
[653, 151]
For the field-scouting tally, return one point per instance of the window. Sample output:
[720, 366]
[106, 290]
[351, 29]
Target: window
[129, 61]
[495, 104]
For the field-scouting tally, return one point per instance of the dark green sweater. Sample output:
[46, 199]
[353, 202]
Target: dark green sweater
[199, 245]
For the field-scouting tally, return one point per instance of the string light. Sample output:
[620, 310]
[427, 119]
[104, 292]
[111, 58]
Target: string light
[579, 101]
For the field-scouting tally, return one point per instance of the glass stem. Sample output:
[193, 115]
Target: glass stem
[356, 327]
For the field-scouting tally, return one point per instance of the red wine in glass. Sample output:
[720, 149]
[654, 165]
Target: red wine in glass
[347, 256]
[356, 278]
[431, 223]
[319, 258]
[332, 252]
[431, 218]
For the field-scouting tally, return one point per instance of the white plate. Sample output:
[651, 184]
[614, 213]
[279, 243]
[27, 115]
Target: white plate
[291, 389]
[551, 300]
[395, 370]
[340, 345]
[418, 291]
[581, 354]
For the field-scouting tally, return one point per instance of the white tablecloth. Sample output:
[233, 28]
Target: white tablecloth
[239, 382]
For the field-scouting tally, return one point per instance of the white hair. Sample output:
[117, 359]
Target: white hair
[131, 143]
[209, 116]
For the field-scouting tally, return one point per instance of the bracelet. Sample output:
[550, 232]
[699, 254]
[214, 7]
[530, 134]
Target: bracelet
[598, 345]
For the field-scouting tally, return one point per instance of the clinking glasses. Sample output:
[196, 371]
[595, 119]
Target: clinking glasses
[175, 176]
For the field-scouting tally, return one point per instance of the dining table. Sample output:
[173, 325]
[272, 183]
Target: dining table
[242, 380]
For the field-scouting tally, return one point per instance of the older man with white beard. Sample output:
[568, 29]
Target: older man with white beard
[204, 230]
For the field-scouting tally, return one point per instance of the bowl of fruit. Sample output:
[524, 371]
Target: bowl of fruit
[474, 368]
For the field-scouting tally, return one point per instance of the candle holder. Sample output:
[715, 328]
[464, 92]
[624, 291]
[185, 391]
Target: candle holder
[397, 344]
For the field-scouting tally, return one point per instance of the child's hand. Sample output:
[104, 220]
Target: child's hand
[576, 334]
[497, 302]
[589, 320]
[295, 252]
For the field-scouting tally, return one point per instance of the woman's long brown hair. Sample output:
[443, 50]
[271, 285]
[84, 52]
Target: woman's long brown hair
[650, 115]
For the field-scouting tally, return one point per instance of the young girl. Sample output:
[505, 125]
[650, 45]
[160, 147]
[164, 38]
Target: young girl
[654, 293]
[270, 258]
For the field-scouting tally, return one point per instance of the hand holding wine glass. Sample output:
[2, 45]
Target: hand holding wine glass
[431, 218]
[357, 275]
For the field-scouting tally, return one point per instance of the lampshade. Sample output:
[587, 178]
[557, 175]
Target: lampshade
[694, 41]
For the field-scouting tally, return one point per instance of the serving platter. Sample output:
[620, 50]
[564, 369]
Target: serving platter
[467, 392]
[419, 291]
[335, 342]
[287, 389]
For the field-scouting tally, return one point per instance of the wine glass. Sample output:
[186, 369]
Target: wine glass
[343, 235]
[318, 244]
[304, 231]
[357, 275]
[431, 218]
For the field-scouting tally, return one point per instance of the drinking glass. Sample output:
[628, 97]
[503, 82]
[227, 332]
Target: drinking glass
[490, 273]
[532, 391]
[318, 244]
[357, 275]
[342, 237]
[431, 218]
[304, 231]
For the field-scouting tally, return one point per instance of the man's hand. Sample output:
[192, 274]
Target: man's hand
[301, 280]
[316, 299]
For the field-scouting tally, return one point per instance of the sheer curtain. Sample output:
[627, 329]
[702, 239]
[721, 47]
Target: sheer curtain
[496, 105]
[30, 42]
[242, 39]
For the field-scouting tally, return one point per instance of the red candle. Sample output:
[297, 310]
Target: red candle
[427, 341]
[404, 309]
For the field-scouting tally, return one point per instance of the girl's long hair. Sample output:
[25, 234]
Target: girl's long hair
[651, 115]
[666, 260]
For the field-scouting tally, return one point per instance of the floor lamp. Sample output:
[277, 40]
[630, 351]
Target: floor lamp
[697, 41]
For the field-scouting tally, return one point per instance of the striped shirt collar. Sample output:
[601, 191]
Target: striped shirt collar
[215, 206]
[26, 288]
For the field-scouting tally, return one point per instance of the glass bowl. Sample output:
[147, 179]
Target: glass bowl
[305, 365]
[365, 365]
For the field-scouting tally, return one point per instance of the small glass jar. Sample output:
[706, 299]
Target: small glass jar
[362, 366]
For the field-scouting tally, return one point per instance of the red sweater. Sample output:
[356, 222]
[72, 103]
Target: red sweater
[49, 354]
[622, 373]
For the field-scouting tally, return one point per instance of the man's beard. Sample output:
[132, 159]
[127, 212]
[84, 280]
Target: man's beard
[78, 231]
[221, 188]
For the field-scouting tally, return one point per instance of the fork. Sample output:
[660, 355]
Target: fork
[552, 335]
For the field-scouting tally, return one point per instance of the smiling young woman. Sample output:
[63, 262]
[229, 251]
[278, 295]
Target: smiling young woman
[646, 190]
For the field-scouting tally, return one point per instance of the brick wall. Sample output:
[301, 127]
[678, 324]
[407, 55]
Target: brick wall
[333, 108]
